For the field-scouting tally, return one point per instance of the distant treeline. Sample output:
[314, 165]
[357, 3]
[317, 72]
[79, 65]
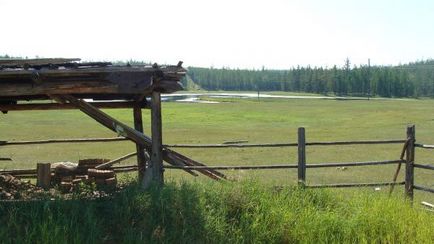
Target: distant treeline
[409, 80]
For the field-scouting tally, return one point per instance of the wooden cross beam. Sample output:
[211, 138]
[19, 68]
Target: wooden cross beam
[57, 106]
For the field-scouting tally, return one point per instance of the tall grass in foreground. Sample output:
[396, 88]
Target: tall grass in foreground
[244, 212]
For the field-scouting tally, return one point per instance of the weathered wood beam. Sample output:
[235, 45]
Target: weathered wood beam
[43, 171]
[77, 140]
[156, 163]
[141, 157]
[423, 188]
[343, 185]
[301, 157]
[39, 61]
[424, 166]
[57, 106]
[372, 142]
[409, 165]
[115, 161]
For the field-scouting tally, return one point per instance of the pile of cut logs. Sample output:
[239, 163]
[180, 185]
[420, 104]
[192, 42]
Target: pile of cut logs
[67, 175]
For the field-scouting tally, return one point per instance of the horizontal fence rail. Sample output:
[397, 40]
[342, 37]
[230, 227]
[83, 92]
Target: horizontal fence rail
[236, 167]
[422, 166]
[349, 164]
[285, 166]
[423, 188]
[344, 185]
[424, 146]
[77, 140]
[368, 142]
[225, 145]
[31, 173]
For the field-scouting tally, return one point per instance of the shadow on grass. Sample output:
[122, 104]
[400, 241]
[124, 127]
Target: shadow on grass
[218, 212]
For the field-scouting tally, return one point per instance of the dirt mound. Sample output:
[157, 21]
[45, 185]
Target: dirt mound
[12, 188]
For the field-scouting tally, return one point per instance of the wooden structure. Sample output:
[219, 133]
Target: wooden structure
[68, 84]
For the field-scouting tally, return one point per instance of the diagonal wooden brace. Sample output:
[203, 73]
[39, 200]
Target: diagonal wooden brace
[169, 156]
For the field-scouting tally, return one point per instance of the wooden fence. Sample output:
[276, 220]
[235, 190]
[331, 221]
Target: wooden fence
[407, 157]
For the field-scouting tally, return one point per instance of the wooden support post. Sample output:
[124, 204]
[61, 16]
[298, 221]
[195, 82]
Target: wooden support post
[138, 125]
[301, 157]
[43, 171]
[409, 165]
[157, 139]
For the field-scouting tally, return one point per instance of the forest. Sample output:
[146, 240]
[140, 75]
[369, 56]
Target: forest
[409, 80]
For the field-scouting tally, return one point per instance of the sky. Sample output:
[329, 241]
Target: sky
[275, 34]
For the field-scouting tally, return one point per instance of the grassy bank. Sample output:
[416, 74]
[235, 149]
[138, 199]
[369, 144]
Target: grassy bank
[193, 212]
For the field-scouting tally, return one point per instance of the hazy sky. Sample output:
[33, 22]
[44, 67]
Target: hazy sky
[230, 33]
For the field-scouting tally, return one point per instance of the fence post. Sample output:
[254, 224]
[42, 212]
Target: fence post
[157, 140]
[409, 162]
[301, 157]
[138, 125]
[43, 174]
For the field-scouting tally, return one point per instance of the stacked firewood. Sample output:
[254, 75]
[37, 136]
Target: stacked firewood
[69, 175]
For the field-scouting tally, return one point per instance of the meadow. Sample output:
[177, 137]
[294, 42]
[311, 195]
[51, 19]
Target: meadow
[197, 210]
[257, 121]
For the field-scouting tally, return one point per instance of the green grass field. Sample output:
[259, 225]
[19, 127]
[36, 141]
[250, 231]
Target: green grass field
[198, 210]
[267, 121]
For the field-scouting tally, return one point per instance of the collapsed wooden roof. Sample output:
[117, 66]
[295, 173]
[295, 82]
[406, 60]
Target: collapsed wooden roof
[32, 79]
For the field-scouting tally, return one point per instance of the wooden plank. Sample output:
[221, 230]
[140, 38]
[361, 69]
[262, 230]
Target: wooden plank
[367, 142]
[424, 146]
[156, 165]
[190, 162]
[165, 145]
[327, 165]
[427, 204]
[18, 171]
[285, 166]
[343, 185]
[235, 142]
[43, 171]
[301, 157]
[231, 145]
[74, 87]
[39, 61]
[372, 142]
[59, 106]
[238, 167]
[77, 140]
[422, 166]
[409, 168]
[398, 168]
[115, 161]
[423, 188]
[142, 159]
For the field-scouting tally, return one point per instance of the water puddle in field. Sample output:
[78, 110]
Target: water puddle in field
[201, 97]
[185, 99]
